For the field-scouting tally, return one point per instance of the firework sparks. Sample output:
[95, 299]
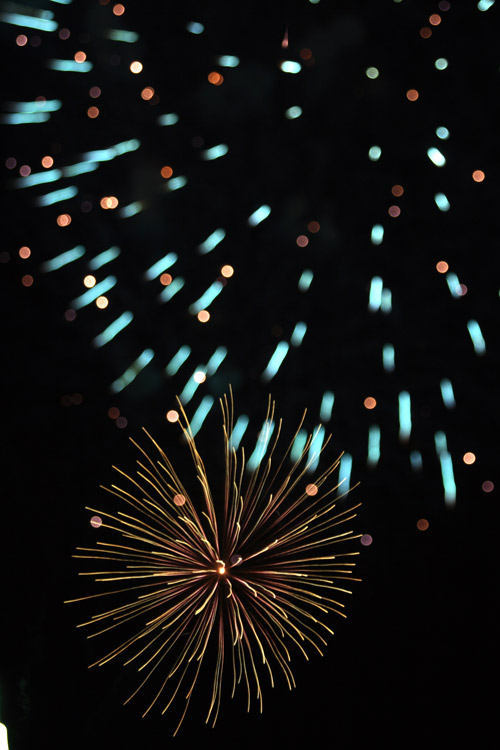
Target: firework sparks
[242, 581]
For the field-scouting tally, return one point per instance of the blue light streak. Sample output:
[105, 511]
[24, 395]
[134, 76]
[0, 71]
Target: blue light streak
[404, 416]
[276, 359]
[70, 66]
[450, 488]
[119, 35]
[298, 333]
[169, 119]
[436, 156]
[442, 202]
[483, 5]
[18, 19]
[160, 266]
[56, 196]
[305, 279]
[62, 2]
[293, 112]
[416, 460]
[39, 178]
[477, 338]
[176, 183]
[345, 469]
[453, 284]
[206, 298]
[92, 294]
[25, 119]
[113, 329]
[105, 257]
[201, 414]
[289, 66]
[228, 61]
[212, 241]
[216, 360]
[195, 28]
[325, 411]
[440, 442]
[386, 301]
[215, 152]
[377, 234]
[190, 388]
[106, 154]
[72, 170]
[298, 446]
[238, 432]
[63, 259]
[373, 445]
[49, 105]
[132, 372]
[131, 210]
[174, 287]
[375, 297]
[178, 360]
[261, 446]
[388, 357]
[259, 215]
[315, 448]
[447, 393]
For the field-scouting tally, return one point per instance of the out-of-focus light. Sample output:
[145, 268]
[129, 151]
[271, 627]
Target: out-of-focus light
[165, 279]
[435, 19]
[200, 414]
[131, 210]
[203, 316]
[172, 289]
[422, 524]
[345, 469]
[131, 373]
[442, 202]
[21, 40]
[372, 72]
[93, 112]
[24, 252]
[442, 132]
[63, 259]
[169, 119]
[80, 56]
[105, 257]
[478, 175]
[259, 215]
[147, 93]
[47, 162]
[216, 360]
[195, 28]
[69, 66]
[298, 446]
[388, 358]
[412, 95]
[373, 445]
[261, 445]
[109, 202]
[289, 66]
[119, 35]
[386, 301]
[305, 280]
[374, 153]
[177, 361]
[56, 196]
[367, 539]
[441, 63]
[425, 32]
[440, 442]
[166, 172]
[450, 489]
[96, 522]
[276, 360]
[216, 79]
[176, 183]
[302, 240]
[298, 333]
[325, 412]
[206, 298]
[416, 460]
[212, 241]
[469, 458]
[21, 118]
[370, 402]
[293, 112]
[63, 220]
[397, 191]
[477, 338]
[161, 265]
[199, 376]
[375, 296]
[179, 500]
[436, 156]
[113, 412]
[112, 330]
[315, 448]
[453, 284]
[31, 22]
[92, 294]
[89, 281]
[227, 271]
[313, 227]
[485, 4]
[487, 486]
[394, 211]
[64, 34]
[118, 9]
[442, 266]
[135, 67]
[311, 490]
[404, 416]
[102, 302]
[27, 280]
[215, 152]
[377, 234]
[447, 393]
[228, 61]
[11, 163]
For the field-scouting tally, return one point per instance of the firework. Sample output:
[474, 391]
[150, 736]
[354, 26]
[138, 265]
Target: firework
[243, 580]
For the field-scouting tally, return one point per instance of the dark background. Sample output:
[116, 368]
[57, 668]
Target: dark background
[413, 662]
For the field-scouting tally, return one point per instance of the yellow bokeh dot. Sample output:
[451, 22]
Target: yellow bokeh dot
[102, 302]
[136, 66]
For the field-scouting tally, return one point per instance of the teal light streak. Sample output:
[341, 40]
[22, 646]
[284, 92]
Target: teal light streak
[416, 460]
[63, 259]
[386, 301]
[276, 359]
[447, 393]
[298, 333]
[113, 329]
[105, 257]
[299, 445]
[259, 215]
[228, 61]
[119, 35]
[440, 442]
[18, 19]
[375, 297]
[293, 112]
[453, 284]
[56, 196]
[289, 66]
[25, 119]
[404, 416]
[261, 445]
[373, 445]
[178, 360]
[176, 183]
[315, 448]
[377, 235]
[238, 432]
[450, 488]
[106, 154]
[201, 414]
[345, 469]
[92, 294]
[160, 266]
[305, 279]
[72, 170]
[215, 152]
[169, 119]
[325, 411]
[388, 358]
[477, 338]
[62, 2]
[216, 360]
[442, 202]
[195, 28]
[131, 210]
[436, 157]
[483, 5]
[174, 287]
[212, 241]
[39, 178]
[70, 66]
[190, 388]
[49, 105]
[133, 371]
[206, 298]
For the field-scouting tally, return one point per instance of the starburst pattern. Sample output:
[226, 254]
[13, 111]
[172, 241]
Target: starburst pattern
[242, 580]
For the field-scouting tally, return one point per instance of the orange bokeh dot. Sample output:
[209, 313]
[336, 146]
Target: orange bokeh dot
[147, 93]
[203, 316]
[227, 271]
[93, 112]
[113, 412]
[397, 191]
[313, 227]
[167, 172]
[469, 458]
[215, 78]
[102, 302]
[435, 19]
[89, 281]
[394, 211]
[47, 161]
[63, 220]
[118, 9]
[165, 279]
[136, 66]
[311, 490]
[172, 415]
[442, 266]
[412, 95]
[305, 53]
[478, 175]
[109, 201]
[422, 524]
[80, 57]
[179, 500]
[27, 280]
[425, 32]
[370, 402]
[302, 240]
[24, 252]
[21, 40]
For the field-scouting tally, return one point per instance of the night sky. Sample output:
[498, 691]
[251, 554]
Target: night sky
[320, 180]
